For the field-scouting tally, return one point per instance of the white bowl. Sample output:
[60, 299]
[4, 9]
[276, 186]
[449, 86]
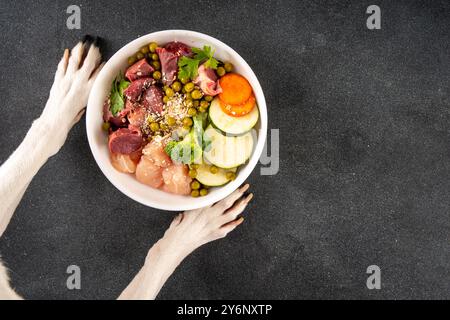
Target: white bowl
[127, 183]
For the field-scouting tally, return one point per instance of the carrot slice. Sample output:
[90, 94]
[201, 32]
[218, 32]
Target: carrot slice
[239, 110]
[235, 89]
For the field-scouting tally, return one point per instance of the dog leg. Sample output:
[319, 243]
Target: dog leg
[187, 232]
[68, 97]
[6, 292]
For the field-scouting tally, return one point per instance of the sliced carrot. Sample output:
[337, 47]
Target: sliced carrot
[235, 89]
[239, 110]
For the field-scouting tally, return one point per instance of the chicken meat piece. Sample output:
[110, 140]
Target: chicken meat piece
[148, 173]
[176, 179]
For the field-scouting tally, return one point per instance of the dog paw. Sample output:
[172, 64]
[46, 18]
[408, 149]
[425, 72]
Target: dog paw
[74, 77]
[192, 229]
[73, 81]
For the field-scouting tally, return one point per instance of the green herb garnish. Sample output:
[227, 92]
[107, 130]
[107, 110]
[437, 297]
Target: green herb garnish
[116, 98]
[188, 67]
[206, 54]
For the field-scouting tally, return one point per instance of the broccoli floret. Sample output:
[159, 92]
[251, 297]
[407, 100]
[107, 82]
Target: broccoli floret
[169, 147]
[190, 149]
[185, 151]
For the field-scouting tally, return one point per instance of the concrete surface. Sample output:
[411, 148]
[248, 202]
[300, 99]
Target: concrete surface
[364, 157]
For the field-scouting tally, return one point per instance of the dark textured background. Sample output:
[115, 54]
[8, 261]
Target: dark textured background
[364, 176]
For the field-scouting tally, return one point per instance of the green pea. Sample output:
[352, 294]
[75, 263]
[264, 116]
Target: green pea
[201, 110]
[176, 86]
[221, 71]
[196, 103]
[144, 50]
[203, 192]
[193, 173]
[131, 60]
[152, 47]
[189, 87]
[171, 121]
[230, 175]
[204, 104]
[228, 67]
[195, 166]
[106, 126]
[188, 96]
[195, 185]
[213, 169]
[169, 92]
[192, 112]
[157, 75]
[155, 57]
[189, 103]
[150, 120]
[195, 193]
[196, 94]
[156, 65]
[163, 126]
[139, 56]
[184, 80]
[154, 126]
[209, 98]
[187, 122]
[166, 99]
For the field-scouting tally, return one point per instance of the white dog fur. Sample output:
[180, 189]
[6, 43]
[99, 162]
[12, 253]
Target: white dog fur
[68, 97]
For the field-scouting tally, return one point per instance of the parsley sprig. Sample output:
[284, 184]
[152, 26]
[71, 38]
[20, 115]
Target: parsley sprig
[117, 99]
[188, 67]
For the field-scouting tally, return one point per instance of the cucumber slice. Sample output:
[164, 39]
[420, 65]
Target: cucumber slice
[227, 152]
[205, 177]
[229, 124]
